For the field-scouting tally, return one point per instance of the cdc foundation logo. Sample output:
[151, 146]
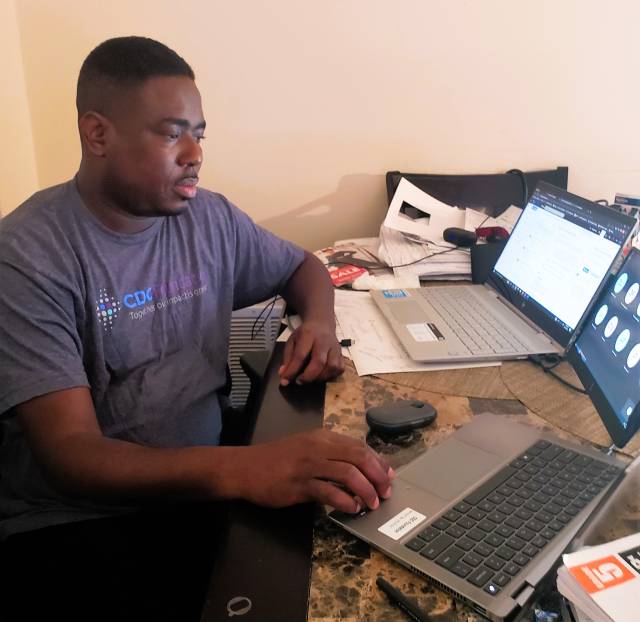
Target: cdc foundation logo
[107, 308]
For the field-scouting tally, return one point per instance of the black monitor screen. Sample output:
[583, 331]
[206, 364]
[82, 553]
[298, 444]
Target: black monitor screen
[606, 355]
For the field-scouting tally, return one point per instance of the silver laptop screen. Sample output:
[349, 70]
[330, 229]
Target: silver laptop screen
[558, 256]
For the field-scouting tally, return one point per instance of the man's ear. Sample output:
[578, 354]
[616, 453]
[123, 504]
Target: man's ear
[95, 131]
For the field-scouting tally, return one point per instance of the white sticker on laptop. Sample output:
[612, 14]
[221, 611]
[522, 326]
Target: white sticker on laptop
[402, 523]
[421, 332]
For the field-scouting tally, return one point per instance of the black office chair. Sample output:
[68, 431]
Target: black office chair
[493, 193]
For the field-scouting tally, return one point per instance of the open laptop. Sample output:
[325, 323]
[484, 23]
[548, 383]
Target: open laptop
[487, 513]
[551, 269]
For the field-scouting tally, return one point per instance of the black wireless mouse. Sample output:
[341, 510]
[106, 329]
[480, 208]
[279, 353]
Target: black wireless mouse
[400, 417]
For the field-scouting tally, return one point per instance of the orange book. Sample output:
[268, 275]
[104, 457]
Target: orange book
[603, 582]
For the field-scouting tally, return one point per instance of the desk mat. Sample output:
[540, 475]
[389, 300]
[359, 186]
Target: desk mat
[481, 382]
[540, 392]
[563, 408]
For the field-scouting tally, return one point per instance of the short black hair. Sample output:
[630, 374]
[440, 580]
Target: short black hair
[121, 63]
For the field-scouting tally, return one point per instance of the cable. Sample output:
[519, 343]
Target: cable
[525, 185]
[401, 265]
[266, 311]
[548, 369]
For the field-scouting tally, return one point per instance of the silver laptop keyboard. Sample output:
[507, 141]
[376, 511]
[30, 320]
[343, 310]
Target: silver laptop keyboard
[493, 534]
[471, 321]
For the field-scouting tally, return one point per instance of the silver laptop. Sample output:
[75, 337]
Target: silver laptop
[483, 515]
[552, 268]
[487, 513]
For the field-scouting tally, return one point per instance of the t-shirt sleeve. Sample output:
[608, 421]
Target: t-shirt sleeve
[40, 349]
[263, 262]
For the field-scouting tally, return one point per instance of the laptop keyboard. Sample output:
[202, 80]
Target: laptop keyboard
[471, 321]
[490, 536]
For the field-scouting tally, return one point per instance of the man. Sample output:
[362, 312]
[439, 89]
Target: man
[117, 289]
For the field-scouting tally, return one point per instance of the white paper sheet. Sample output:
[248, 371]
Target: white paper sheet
[396, 251]
[440, 215]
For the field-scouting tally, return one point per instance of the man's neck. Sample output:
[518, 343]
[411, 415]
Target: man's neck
[109, 214]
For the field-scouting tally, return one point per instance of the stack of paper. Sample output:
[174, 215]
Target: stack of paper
[348, 260]
[412, 234]
[602, 583]
[355, 264]
[424, 260]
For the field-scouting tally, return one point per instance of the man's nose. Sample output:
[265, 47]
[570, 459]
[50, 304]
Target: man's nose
[191, 152]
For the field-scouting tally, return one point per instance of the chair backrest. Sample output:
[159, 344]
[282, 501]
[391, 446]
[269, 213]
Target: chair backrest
[495, 192]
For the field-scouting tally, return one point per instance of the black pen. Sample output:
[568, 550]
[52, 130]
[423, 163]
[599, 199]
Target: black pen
[398, 598]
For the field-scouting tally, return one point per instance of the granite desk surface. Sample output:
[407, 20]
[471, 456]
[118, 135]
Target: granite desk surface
[344, 569]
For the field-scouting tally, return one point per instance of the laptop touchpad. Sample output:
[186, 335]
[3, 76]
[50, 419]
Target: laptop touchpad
[447, 470]
[407, 312]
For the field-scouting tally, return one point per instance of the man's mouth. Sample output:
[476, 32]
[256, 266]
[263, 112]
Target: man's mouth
[187, 187]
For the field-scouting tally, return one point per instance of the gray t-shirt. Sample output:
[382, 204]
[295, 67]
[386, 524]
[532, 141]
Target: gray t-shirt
[141, 319]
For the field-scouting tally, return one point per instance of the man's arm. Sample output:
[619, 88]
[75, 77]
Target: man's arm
[312, 352]
[321, 466]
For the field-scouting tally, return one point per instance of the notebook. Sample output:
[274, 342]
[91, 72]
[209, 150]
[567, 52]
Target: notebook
[552, 268]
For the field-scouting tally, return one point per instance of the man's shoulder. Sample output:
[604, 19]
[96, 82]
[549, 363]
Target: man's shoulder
[42, 210]
[36, 224]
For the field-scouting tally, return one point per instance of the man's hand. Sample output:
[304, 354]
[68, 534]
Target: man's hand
[311, 353]
[320, 466]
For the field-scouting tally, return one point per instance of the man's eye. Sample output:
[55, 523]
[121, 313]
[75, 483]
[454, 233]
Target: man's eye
[200, 138]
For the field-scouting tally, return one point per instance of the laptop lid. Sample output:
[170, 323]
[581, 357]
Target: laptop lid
[606, 355]
[558, 257]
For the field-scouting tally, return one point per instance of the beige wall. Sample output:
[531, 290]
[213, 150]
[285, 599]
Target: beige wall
[308, 104]
[18, 176]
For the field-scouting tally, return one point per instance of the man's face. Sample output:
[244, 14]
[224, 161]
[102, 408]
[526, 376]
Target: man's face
[154, 153]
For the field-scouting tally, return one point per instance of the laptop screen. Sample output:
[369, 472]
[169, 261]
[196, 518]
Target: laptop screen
[557, 258]
[607, 352]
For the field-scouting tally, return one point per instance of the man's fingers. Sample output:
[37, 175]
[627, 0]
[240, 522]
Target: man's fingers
[334, 365]
[330, 494]
[351, 478]
[315, 367]
[287, 355]
[311, 355]
[301, 345]
[362, 471]
[363, 451]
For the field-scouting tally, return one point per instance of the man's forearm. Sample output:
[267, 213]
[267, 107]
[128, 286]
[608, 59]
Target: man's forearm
[67, 442]
[310, 291]
[113, 470]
